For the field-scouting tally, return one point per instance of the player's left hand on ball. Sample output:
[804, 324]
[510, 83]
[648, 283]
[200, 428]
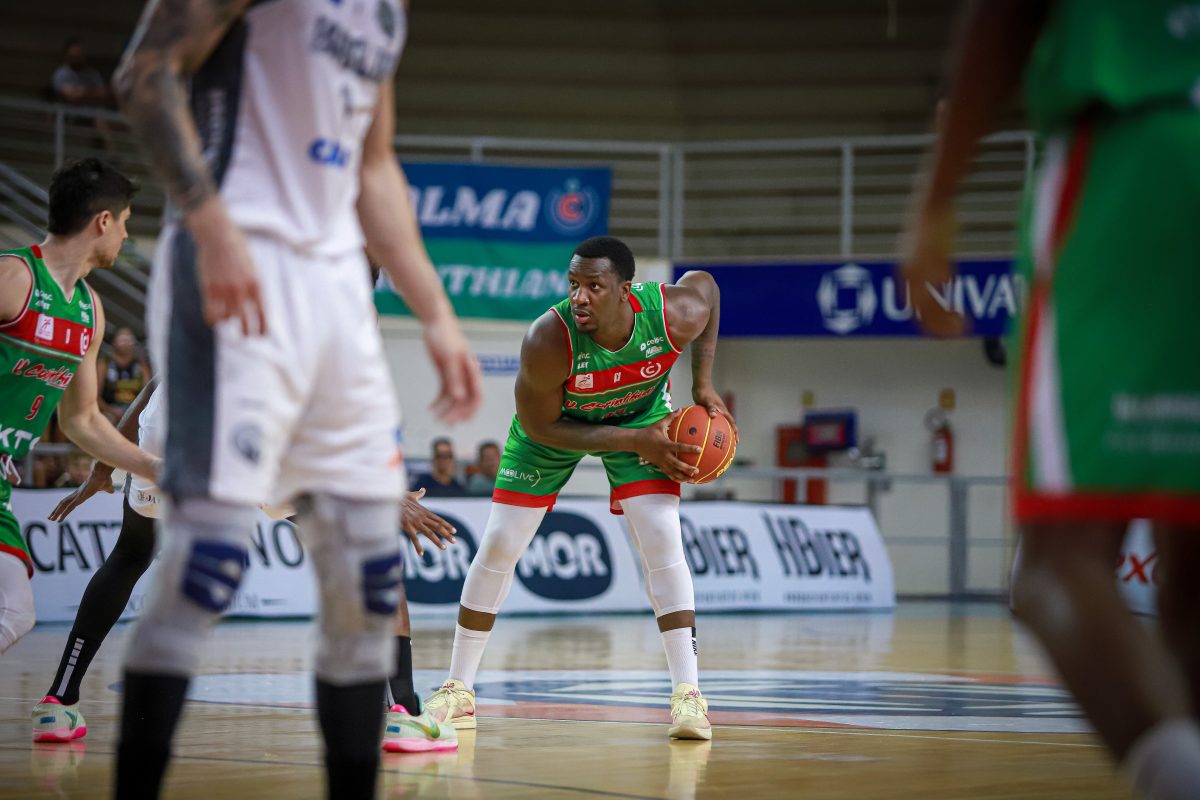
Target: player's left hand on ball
[98, 480]
[416, 520]
[461, 381]
[708, 397]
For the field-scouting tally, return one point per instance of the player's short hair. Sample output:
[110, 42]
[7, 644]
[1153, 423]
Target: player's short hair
[612, 248]
[81, 190]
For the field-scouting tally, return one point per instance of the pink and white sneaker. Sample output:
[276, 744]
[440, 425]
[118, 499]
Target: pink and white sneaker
[54, 722]
[420, 734]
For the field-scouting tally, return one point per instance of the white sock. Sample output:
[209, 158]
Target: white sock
[467, 653]
[680, 645]
[1164, 763]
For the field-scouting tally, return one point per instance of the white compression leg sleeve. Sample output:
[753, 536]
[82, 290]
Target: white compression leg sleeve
[509, 531]
[204, 554]
[654, 527]
[16, 601]
[356, 555]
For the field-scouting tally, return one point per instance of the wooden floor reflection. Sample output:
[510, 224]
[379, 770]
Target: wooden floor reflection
[934, 701]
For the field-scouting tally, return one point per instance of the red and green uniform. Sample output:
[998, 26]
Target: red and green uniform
[40, 350]
[628, 388]
[1108, 406]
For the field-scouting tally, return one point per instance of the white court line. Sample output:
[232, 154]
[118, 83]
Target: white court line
[821, 731]
[777, 729]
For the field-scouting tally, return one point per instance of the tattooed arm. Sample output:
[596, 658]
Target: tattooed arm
[172, 40]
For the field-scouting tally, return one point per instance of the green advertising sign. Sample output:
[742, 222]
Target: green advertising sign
[501, 237]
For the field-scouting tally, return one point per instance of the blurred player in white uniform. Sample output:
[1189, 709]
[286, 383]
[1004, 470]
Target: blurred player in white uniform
[280, 172]
[58, 718]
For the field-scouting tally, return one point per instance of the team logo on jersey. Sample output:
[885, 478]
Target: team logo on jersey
[650, 370]
[572, 208]
[847, 298]
[584, 381]
[652, 347]
[85, 338]
[45, 328]
[248, 440]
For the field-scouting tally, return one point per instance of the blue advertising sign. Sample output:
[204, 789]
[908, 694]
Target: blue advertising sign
[856, 298]
[510, 204]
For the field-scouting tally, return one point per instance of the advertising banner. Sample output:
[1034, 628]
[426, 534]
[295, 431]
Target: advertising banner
[501, 237]
[750, 556]
[855, 299]
[743, 557]
[1137, 569]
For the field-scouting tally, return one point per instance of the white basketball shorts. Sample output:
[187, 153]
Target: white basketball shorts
[309, 406]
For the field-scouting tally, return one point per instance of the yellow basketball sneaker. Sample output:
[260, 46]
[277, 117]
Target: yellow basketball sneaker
[453, 703]
[689, 714]
[54, 722]
[405, 733]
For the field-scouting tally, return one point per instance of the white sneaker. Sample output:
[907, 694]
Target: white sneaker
[453, 703]
[689, 714]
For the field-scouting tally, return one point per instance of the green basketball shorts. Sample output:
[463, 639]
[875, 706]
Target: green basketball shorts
[532, 474]
[1108, 376]
[11, 540]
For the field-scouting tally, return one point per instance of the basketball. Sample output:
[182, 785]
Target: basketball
[713, 434]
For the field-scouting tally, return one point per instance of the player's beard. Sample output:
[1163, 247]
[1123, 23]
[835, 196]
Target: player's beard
[108, 260]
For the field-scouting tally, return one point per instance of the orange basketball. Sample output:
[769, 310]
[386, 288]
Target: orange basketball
[713, 434]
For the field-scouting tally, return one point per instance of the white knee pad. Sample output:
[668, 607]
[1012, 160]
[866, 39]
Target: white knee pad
[509, 531]
[358, 561]
[654, 527]
[16, 601]
[205, 553]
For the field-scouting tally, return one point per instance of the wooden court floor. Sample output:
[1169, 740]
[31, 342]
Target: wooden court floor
[934, 701]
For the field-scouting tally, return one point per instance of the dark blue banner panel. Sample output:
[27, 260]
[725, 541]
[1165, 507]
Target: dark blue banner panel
[855, 298]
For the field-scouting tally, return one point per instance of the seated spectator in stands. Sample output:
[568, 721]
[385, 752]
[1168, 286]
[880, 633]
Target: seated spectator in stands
[79, 466]
[76, 82]
[123, 373]
[483, 473]
[441, 481]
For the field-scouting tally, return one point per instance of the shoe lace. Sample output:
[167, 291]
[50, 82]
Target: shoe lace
[691, 705]
[446, 695]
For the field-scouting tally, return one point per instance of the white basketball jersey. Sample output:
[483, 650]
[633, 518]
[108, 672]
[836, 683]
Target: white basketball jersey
[283, 105]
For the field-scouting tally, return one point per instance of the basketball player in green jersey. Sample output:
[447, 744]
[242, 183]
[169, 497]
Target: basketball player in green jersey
[1108, 386]
[594, 380]
[51, 327]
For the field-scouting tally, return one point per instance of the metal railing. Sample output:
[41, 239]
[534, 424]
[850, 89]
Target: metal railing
[948, 534]
[764, 198]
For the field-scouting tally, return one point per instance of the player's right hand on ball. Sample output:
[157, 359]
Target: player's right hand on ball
[229, 284]
[659, 449]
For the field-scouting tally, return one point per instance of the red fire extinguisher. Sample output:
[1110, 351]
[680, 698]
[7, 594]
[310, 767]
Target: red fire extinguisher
[941, 445]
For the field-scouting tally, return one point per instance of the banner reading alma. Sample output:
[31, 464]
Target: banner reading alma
[501, 237]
